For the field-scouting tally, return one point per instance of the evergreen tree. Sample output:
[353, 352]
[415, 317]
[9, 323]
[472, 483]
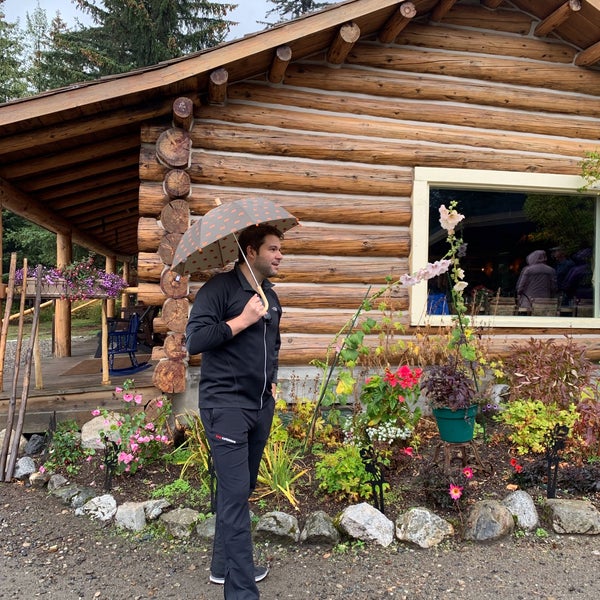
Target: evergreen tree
[13, 83]
[129, 35]
[290, 9]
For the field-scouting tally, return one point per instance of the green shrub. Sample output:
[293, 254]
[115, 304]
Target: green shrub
[343, 475]
[65, 450]
[531, 421]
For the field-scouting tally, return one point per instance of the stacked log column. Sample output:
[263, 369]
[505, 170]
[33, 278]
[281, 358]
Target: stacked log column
[173, 150]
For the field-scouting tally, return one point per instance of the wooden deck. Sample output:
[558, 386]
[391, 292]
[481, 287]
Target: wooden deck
[71, 387]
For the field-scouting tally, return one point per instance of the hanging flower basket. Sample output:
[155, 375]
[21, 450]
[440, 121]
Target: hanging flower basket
[57, 289]
[77, 281]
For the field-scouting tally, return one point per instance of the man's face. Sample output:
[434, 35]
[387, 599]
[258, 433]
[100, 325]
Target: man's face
[266, 262]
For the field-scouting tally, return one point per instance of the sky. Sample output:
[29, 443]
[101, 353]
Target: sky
[247, 13]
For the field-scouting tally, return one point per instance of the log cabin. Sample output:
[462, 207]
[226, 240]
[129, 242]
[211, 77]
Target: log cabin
[360, 119]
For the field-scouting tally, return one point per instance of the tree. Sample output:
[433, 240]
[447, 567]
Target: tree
[13, 83]
[129, 35]
[290, 9]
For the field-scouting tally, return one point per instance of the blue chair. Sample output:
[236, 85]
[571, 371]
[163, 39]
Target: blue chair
[123, 339]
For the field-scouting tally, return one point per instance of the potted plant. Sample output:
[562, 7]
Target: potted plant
[455, 386]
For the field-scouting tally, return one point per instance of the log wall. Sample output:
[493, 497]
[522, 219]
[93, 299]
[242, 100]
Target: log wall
[336, 146]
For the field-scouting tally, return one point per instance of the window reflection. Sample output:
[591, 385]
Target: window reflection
[527, 254]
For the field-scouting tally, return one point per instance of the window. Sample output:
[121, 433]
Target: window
[512, 219]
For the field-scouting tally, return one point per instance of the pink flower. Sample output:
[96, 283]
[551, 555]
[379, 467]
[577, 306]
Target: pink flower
[118, 390]
[125, 457]
[455, 491]
[408, 280]
[150, 426]
[408, 451]
[128, 397]
[42, 469]
[89, 458]
[159, 403]
[137, 398]
[468, 472]
[95, 412]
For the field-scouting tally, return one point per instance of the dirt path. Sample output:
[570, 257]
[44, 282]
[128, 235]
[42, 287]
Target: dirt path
[50, 553]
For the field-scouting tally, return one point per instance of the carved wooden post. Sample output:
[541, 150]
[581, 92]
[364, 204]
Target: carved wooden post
[62, 310]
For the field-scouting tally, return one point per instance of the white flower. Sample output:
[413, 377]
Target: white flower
[449, 219]
[459, 286]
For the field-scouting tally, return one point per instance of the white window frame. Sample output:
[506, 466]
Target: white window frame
[426, 178]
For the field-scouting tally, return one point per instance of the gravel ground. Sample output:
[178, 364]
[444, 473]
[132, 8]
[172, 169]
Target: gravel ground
[48, 552]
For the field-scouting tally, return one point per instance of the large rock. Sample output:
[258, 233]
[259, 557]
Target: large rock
[180, 522]
[102, 508]
[205, 529]
[522, 507]
[22, 441]
[131, 516]
[488, 520]
[319, 529]
[573, 516]
[364, 522]
[277, 526]
[24, 468]
[90, 432]
[422, 527]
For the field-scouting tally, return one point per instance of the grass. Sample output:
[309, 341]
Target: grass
[84, 321]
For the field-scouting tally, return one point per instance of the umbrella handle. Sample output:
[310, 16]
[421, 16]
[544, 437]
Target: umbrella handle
[263, 297]
[259, 289]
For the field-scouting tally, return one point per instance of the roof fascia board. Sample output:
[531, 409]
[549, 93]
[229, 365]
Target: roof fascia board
[169, 72]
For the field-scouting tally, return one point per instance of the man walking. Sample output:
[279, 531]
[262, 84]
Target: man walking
[239, 340]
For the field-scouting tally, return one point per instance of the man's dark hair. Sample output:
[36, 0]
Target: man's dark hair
[254, 236]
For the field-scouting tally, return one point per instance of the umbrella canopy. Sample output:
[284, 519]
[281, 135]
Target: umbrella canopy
[212, 242]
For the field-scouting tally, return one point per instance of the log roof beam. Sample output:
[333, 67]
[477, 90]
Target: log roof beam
[281, 60]
[441, 9]
[217, 86]
[557, 18]
[397, 22]
[23, 205]
[343, 43]
[491, 3]
[589, 56]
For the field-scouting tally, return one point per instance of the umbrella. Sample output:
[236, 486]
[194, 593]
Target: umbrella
[212, 241]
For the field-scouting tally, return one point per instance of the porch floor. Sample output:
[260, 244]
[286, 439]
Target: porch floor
[71, 387]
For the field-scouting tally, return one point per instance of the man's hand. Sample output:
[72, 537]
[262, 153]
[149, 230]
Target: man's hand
[253, 311]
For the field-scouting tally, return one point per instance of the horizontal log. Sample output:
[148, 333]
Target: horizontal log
[478, 17]
[460, 114]
[244, 170]
[301, 349]
[308, 175]
[295, 295]
[365, 210]
[303, 269]
[478, 41]
[150, 233]
[498, 70]
[390, 132]
[310, 238]
[421, 86]
[325, 321]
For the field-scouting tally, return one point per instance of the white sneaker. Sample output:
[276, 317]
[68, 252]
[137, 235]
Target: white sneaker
[259, 574]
